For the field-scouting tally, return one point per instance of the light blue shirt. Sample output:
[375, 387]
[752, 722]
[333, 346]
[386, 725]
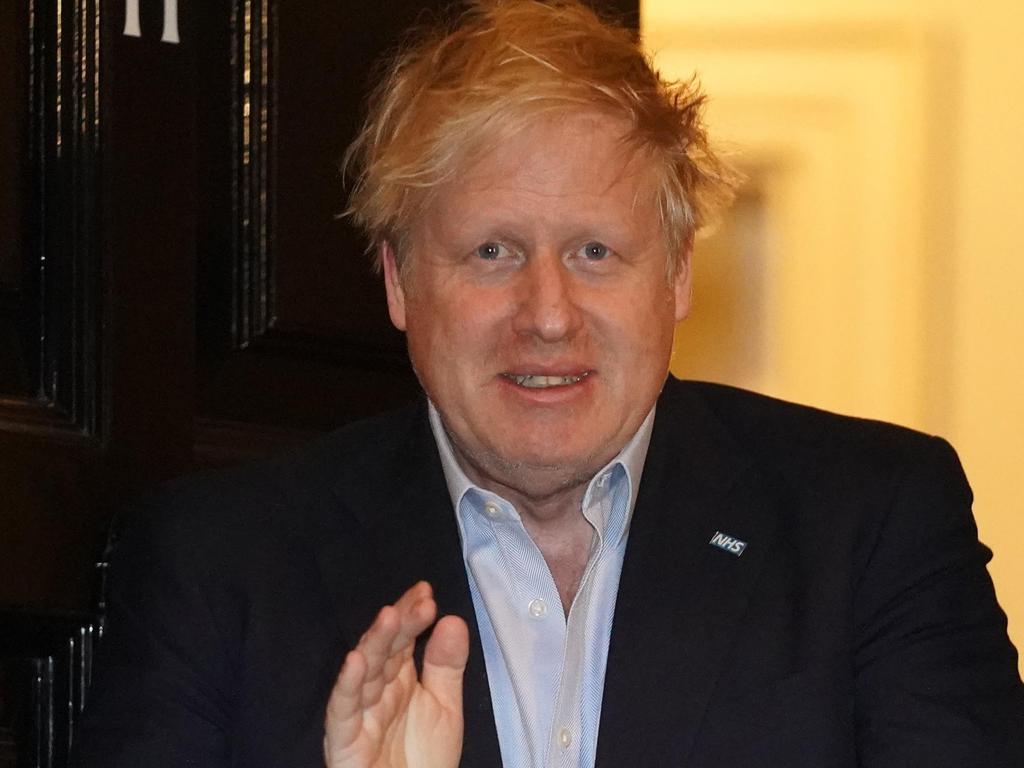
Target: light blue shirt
[545, 671]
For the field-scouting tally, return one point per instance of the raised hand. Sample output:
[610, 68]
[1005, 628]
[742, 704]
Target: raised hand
[380, 715]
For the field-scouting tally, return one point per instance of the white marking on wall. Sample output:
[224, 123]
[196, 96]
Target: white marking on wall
[170, 31]
[131, 19]
[170, 34]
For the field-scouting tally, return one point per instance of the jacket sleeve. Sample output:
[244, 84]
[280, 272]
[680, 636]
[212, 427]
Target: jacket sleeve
[161, 689]
[937, 679]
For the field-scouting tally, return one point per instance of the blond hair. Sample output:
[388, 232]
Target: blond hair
[447, 99]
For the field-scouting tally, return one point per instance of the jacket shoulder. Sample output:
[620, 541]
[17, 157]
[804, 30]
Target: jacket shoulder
[806, 440]
[238, 507]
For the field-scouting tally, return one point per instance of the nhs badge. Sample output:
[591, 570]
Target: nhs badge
[728, 543]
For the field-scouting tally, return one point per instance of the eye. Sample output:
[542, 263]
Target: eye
[492, 251]
[594, 251]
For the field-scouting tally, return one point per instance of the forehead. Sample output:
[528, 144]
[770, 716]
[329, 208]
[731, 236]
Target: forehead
[579, 163]
[548, 152]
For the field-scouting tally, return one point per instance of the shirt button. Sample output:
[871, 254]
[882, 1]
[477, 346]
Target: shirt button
[538, 608]
[492, 510]
[564, 737]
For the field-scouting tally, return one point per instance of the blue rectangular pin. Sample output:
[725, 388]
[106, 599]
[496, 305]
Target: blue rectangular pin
[728, 543]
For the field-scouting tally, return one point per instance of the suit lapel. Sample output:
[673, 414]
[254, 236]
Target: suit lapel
[405, 515]
[681, 600]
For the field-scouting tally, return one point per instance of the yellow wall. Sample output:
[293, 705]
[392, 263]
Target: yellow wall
[875, 262]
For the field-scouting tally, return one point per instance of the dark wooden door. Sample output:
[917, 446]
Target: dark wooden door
[177, 289]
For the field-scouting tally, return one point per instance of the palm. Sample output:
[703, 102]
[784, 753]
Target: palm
[381, 714]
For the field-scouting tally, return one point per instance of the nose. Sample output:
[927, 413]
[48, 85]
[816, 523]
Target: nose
[547, 302]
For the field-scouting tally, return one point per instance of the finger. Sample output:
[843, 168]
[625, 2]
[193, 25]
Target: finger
[389, 641]
[416, 611]
[415, 623]
[385, 635]
[344, 717]
[375, 646]
[414, 594]
[444, 662]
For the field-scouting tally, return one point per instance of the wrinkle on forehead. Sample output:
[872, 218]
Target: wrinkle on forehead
[586, 135]
[593, 145]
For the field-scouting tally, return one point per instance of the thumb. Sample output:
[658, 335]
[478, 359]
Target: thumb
[444, 661]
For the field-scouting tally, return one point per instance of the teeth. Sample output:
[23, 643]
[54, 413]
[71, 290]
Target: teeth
[540, 382]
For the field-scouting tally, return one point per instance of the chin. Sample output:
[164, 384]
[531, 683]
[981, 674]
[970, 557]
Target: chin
[571, 464]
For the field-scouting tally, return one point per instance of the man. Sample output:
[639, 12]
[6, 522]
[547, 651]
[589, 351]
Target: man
[630, 571]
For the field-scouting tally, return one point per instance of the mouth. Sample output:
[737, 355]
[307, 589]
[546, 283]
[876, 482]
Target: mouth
[538, 381]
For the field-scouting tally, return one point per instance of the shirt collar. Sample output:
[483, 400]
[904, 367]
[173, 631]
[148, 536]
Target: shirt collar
[631, 458]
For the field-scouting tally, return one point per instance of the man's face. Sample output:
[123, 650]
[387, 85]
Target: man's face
[536, 305]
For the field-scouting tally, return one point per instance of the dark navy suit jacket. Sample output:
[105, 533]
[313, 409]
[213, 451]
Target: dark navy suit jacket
[858, 627]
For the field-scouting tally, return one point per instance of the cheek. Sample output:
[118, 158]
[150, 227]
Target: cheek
[639, 325]
[454, 332]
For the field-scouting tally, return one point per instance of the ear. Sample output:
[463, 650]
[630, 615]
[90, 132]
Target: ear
[393, 285]
[681, 283]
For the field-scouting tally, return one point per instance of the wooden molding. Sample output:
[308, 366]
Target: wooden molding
[57, 301]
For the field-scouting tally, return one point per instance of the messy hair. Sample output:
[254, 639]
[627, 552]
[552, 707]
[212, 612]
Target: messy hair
[448, 98]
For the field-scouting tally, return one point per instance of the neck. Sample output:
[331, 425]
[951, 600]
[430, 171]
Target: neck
[545, 499]
[552, 514]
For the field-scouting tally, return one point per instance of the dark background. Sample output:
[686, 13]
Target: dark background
[176, 288]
